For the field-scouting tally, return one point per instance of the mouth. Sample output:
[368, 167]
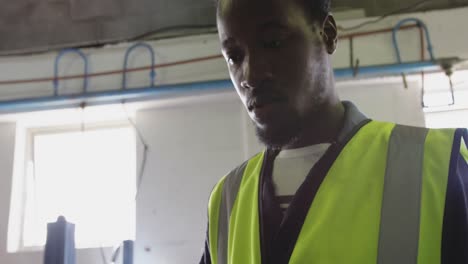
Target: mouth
[256, 103]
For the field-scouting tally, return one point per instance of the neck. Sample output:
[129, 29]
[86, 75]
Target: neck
[323, 127]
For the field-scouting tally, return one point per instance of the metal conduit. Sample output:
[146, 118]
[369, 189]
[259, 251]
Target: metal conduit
[125, 94]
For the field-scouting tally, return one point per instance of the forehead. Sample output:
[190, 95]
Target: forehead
[247, 14]
[229, 7]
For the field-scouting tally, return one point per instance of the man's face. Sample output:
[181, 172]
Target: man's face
[278, 63]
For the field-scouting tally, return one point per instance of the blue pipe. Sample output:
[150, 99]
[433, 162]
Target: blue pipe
[57, 60]
[127, 53]
[389, 69]
[109, 97]
[418, 22]
[147, 93]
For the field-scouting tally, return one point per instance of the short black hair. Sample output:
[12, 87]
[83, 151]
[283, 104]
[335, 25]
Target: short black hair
[318, 9]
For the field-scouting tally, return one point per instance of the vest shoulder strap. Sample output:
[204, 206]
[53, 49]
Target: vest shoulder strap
[228, 197]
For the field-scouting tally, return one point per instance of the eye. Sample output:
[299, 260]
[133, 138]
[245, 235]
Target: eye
[234, 58]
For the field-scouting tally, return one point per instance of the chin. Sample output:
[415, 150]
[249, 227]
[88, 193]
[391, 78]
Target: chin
[278, 134]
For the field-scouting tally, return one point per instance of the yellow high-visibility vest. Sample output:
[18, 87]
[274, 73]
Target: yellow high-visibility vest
[382, 201]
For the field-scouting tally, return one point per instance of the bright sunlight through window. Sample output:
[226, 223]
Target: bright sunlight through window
[437, 97]
[90, 178]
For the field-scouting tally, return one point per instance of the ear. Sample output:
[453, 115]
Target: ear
[329, 33]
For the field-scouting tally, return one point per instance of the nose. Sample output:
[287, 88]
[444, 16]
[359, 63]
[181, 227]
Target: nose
[256, 72]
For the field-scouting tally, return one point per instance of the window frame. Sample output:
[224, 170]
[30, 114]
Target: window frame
[29, 136]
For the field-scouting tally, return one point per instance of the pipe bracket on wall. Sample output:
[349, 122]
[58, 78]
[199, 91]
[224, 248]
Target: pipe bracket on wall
[353, 64]
[451, 91]
[127, 53]
[56, 67]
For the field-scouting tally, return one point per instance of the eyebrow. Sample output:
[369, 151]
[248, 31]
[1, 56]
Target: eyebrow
[228, 42]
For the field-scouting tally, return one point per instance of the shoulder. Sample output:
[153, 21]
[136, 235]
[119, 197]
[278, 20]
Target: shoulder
[235, 175]
[410, 133]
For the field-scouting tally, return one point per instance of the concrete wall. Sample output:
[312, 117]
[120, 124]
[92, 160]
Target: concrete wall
[195, 140]
[192, 146]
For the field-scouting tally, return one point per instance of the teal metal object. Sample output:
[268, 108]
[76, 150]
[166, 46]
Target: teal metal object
[127, 53]
[109, 97]
[419, 23]
[56, 67]
[124, 253]
[395, 30]
[388, 69]
[60, 244]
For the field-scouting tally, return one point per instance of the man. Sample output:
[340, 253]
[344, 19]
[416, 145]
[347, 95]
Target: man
[333, 187]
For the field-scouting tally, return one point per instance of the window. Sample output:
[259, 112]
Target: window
[439, 114]
[87, 176]
[447, 119]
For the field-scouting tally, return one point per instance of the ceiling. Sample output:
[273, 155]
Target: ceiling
[29, 26]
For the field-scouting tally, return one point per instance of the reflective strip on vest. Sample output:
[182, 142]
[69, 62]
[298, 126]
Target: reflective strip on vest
[213, 219]
[400, 213]
[223, 199]
[230, 189]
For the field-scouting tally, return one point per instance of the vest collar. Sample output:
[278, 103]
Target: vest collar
[353, 117]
